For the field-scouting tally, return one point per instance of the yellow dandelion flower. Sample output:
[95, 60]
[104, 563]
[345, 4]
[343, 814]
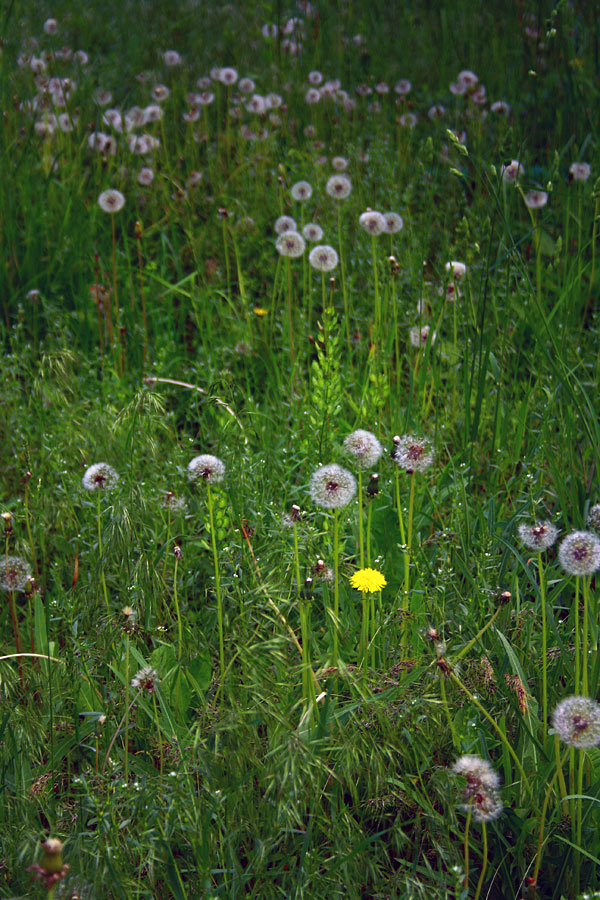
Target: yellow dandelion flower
[368, 581]
[260, 311]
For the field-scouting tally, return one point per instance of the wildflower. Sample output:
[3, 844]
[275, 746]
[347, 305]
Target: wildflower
[302, 190]
[145, 680]
[260, 311]
[458, 88]
[256, 104]
[339, 186]
[414, 454]
[285, 223]
[539, 536]
[210, 468]
[111, 200]
[393, 222]
[500, 107]
[576, 720]
[14, 573]
[593, 519]
[312, 232]
[273, 101]
[580, 171]
[458, 269]
[102, 97]
[408, 120]
[364, 446]
[339, 163]
[332, 486]
[436, 112]
[368, 581]
[403, 86]
[535, 199]
[312, 96]
[145, 176]
[315, 77]
[100, 477]
[323, 258]
[269, 30]
[227, 76]
[171, 501]
[480, 793]
[291, 244]
[372, 221]
[50, 26]
[420, 335]
[512, 172]
[579, 553]
[171, 58]
[468, 78]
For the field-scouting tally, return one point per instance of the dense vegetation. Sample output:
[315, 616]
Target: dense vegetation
[300, 545]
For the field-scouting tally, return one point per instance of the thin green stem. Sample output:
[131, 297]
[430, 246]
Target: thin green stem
[177, 611]
[126, 739]
[361, 542]
[336, 586]
[540, 842]
[217, 584]
[102, 578]
[544, 647]
[484, 862]
[343, 277]
[466, 850]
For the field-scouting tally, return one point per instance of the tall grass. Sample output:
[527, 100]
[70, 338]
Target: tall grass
[284, 738]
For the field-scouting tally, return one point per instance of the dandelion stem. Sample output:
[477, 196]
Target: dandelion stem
[217, 583]
[484, 862]
[290, 314]
[376, 282]
[577, 636]
[343, 274]
[544, 647]
[361, 542]
[584, 651]
[336, 586]
[159, 738]
[466, 849]
[126, 740]
[178, 611]
[540, 842]
[102, 578]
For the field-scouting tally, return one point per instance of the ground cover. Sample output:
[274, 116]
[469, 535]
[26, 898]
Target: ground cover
[300, 433]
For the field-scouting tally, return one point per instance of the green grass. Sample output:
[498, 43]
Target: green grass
[244, 773]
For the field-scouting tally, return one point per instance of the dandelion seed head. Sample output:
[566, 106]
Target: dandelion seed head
[15, 572]
[111, 200]
[408, 120]
[393, 222]
[593, 519]
[512, 172]
[100, 477]
[458, 269]
[145, 176]
[323, 258]
[576, 720]
[419, 335]
[171, 58]
[206, 467]
[339, 163]
[480, 793]
[579, 553]
[536, 199]
[580, 171]
[227, 76]
[285, 223]
[414, 454]
[372, 222]
[312, 232]
[291, 244]
[364, 447]
[171, 501]
[302, 190]
[145, 680]
[339, 187]
[332, 486]
[538, 536]
[403, 86]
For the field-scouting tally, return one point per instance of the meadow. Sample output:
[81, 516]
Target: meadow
[300, 441]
